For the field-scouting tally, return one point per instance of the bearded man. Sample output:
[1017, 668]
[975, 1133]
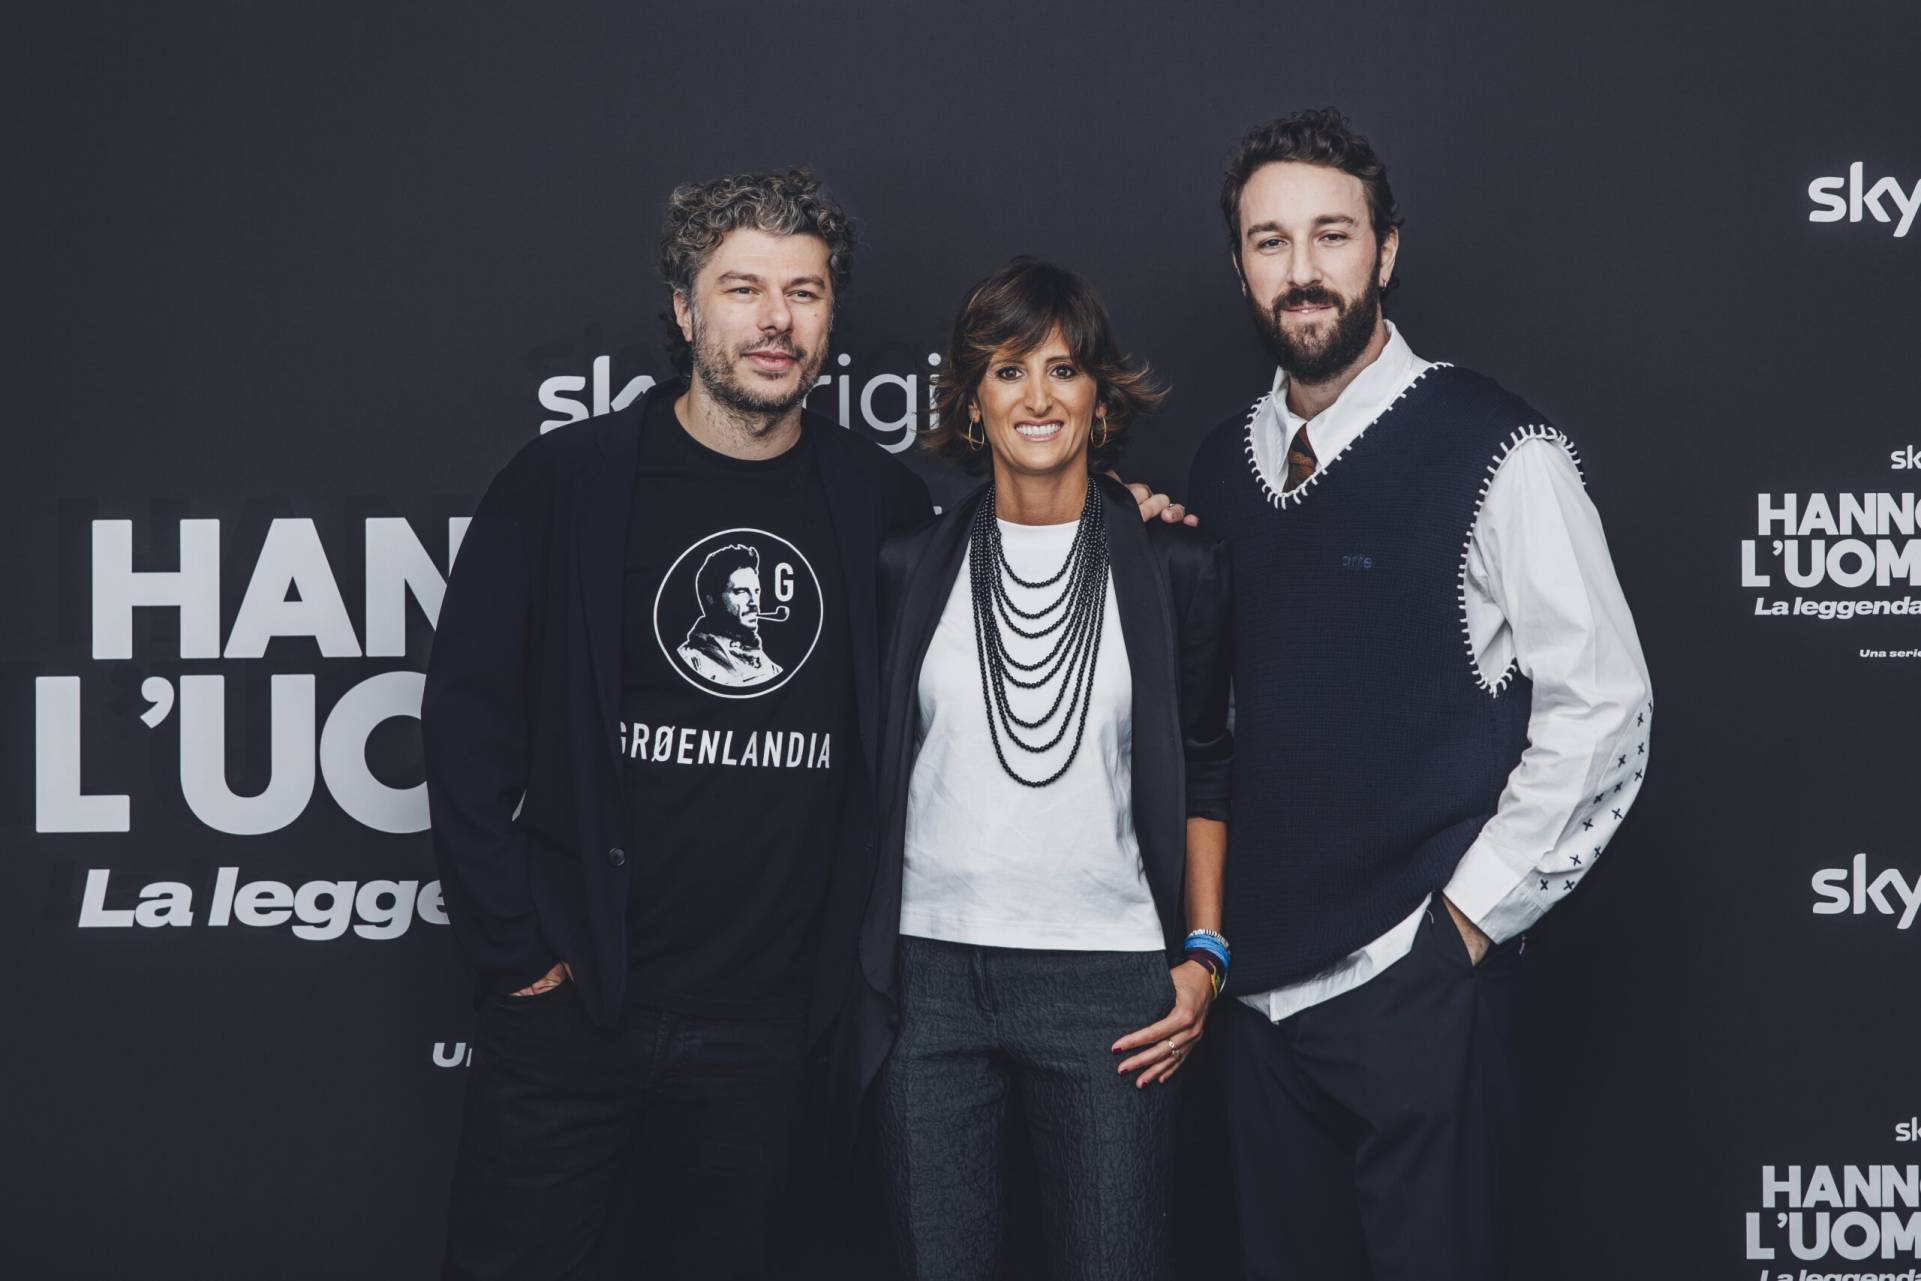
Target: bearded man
[1441, 717]
[655, 932]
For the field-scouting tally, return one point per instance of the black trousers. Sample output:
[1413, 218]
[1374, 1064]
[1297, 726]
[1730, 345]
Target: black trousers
[1367, 1132]
[979, 1024]
[657, 1148]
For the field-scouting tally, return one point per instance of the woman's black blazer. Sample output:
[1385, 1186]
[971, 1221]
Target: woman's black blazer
[1172, 592]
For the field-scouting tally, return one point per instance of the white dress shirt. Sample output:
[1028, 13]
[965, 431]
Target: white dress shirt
[1541, 598]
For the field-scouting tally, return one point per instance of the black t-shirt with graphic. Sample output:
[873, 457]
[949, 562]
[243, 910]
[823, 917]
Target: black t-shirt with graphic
[736, 720]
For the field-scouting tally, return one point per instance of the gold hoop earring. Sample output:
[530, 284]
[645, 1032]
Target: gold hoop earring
[974, 442]
[1106, 433]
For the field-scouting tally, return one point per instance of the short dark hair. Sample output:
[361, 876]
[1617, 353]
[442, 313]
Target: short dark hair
[1314, 137]
[710, 582]
[1012, 312]
[699, 216]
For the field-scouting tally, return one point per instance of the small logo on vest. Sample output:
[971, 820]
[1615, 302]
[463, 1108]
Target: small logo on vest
[1357, 560]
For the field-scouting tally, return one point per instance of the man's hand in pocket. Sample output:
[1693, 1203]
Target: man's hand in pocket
[1477, 942]
[552, 979]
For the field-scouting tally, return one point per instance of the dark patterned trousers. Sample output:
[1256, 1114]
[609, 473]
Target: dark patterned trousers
[981, 1024]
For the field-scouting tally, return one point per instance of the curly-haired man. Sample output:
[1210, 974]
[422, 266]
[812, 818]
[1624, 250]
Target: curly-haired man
[647, 860]
[1441, 716]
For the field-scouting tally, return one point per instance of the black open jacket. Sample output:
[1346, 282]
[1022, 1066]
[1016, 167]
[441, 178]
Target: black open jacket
[519, 722]
[1172, 592]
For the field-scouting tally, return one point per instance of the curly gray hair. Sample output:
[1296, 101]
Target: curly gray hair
[699, 216]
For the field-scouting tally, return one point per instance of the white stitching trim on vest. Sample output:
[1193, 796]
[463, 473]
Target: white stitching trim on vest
[1520, 435]
[1298, 494]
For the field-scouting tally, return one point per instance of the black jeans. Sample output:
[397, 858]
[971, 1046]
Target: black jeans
[657, 1148]
[979, 1022]
[1367, 1132]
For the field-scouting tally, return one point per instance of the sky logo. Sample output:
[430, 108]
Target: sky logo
[1854, 890]
[1861, 199]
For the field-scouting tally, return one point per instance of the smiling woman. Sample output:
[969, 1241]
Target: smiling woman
[1007, 320]
[1055, 753]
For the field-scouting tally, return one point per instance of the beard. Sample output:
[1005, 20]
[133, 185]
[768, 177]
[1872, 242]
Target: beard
[1315, 357]
[715, 366]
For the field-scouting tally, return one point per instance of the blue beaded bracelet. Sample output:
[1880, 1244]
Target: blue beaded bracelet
[1211, 943]
[1208, 934]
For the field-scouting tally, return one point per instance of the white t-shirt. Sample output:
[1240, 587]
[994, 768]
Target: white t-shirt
[990, 861]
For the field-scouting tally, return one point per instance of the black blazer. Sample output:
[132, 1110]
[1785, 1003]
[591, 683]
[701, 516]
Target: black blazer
[1172, 591]
[519, 721]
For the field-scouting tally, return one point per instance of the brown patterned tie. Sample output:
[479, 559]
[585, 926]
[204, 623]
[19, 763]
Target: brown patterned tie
[1300, 460]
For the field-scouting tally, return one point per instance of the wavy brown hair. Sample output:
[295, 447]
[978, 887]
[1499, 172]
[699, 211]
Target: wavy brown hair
[699, 215]
[1009, 314]
[1321, 136]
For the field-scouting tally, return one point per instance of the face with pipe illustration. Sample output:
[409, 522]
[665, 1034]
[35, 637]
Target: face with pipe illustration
[740, 598]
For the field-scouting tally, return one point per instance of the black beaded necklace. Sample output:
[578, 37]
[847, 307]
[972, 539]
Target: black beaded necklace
[1073, 618]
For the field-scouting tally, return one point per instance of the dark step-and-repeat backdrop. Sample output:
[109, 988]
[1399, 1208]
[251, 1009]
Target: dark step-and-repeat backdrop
[286, 284]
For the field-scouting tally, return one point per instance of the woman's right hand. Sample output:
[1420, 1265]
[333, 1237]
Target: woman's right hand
[1168, 1041]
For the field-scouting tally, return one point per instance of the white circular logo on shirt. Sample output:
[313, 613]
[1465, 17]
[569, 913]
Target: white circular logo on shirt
[738, 613]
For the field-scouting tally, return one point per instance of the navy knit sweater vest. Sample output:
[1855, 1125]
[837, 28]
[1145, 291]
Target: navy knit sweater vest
[1369, 751]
